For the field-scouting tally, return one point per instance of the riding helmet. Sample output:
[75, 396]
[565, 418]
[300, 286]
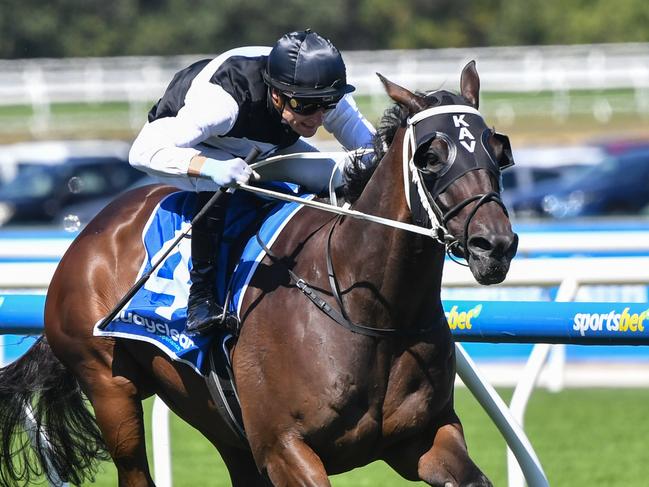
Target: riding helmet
[306, 65]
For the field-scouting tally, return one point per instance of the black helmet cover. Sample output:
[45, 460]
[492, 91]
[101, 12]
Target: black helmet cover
[306, 65]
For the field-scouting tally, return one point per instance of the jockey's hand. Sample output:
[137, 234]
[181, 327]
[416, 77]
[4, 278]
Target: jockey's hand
[228, 173]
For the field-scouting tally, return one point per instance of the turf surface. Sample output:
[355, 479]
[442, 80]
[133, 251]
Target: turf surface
[583, 437]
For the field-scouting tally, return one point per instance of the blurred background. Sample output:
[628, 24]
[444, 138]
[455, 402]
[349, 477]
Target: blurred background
[569, 83]
[567, 80]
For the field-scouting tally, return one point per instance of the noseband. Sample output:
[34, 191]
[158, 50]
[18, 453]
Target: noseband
[419, 198]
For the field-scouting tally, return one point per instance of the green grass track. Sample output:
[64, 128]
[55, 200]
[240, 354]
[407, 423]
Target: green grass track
[583, 437]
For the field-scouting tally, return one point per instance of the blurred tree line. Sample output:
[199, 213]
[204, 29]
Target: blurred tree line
[65, 28]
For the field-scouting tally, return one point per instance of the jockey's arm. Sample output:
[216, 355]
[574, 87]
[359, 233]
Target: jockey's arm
[349, 126]
[170, 148]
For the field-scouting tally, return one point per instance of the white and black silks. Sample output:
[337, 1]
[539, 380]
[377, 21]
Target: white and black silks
[221, 109]
[466, 134]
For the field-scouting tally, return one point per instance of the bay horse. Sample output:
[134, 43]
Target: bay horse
[317, 398]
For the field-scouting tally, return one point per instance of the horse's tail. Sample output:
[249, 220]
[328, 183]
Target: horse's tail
[43, 414]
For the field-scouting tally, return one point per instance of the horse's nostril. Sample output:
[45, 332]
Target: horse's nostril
[495, 245]
[480, 243]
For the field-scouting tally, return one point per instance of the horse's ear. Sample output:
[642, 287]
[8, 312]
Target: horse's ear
[402, 96]
[470, 84]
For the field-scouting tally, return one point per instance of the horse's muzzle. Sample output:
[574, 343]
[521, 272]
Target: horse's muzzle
[490, 254]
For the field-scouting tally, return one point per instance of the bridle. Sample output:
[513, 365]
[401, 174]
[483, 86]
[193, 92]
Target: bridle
[437, 219]
[424, 206]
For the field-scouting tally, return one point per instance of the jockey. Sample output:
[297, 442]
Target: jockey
[215, 111]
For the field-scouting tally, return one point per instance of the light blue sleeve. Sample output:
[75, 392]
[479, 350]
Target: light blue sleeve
[349, 126]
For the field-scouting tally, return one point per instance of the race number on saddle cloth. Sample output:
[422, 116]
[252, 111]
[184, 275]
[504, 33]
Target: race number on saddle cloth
[157, 312]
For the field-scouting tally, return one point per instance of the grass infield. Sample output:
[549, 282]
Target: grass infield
[528, 118]
[583, 437]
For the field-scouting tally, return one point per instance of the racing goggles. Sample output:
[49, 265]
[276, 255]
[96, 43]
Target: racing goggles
[308, 106]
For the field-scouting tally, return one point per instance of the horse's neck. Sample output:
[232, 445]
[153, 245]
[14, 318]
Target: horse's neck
[403, 268]
[384, 194]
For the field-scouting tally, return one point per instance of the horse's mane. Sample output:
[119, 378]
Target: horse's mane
[359, 172]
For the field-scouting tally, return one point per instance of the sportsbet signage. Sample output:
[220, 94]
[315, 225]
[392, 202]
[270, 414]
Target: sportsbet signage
[549, 322]
[461, 320]
[624, 322]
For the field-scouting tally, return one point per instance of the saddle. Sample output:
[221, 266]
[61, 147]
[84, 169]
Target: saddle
[156, 313]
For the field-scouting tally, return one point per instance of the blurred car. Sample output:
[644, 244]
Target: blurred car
[51, 176]
[617, 185]
[535, 165]
[620, 146]
[79, 214]
[13, 156]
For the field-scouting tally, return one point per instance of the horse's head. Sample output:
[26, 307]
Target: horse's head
[452, 166]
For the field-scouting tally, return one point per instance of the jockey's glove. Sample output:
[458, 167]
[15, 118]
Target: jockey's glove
[227, 173]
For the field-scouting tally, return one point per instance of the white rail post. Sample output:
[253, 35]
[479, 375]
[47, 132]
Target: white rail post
[502, 418]
[556, 362]
[40, 101]
[519, 401]
[531, 372]
[161, 443]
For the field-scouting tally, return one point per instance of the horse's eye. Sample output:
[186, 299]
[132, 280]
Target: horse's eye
[436, 167]
[431, 158]
[436, 161]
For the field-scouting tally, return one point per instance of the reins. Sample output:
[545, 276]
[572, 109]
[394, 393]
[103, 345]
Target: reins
[438, 231]
[409, 227]
[341, 316]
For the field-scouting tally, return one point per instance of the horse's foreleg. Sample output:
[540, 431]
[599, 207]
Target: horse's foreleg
[118, 410]
[447, 462]
[291, 463]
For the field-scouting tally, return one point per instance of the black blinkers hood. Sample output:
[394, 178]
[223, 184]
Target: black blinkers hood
[466, 132]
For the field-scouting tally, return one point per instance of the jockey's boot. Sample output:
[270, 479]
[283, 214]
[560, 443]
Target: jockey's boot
[204, 313]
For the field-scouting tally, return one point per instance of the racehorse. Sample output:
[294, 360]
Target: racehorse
[317, 398]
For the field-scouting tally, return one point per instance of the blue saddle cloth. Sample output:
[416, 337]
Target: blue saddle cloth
[158, 311]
